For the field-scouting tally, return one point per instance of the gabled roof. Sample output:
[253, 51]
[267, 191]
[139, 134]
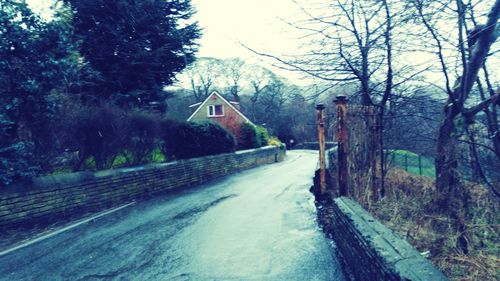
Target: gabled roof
[225, 101]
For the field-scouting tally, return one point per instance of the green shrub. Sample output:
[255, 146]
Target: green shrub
[99, 132]
[17, 163]
[262, 136]
[157, 156]
[215, 139]
[17, 160]
[187, 140]
[274, 141]
[142, 137]
[248, 137]
[252, 136]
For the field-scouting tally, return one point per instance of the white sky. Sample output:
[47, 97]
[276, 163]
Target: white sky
[255, 23]
[259, 24]
[225, 23]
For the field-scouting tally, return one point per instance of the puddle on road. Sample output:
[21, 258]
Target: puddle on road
[202, 208]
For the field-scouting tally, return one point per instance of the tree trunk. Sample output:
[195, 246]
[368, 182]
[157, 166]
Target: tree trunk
[473, 156]
[447, 177]
[452, 197]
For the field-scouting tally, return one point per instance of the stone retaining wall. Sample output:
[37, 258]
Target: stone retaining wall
[374, 252]
[367, 248]
[53, 197]
[314, 145]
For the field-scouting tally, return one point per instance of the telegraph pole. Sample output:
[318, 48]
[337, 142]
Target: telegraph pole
[321, 140]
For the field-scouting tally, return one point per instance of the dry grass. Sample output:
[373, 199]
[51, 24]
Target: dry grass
[405, 209]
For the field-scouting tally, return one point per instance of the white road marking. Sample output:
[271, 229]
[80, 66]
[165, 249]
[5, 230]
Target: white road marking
[48, 235]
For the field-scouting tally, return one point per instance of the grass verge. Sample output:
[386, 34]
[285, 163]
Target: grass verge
[406, 210]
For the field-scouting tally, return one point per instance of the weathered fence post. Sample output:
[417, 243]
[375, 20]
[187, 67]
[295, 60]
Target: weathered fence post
[341, 104]
[406, 162]
[419, 164]
[321, 141]
[372, 124]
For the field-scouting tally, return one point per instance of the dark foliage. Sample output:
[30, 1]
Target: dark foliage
[137, 47]
[142, 136]
[33, 57]
[248, 137]
[16, 157]
[215, 139]
[99, 132]
[262, 136]
[252, 136]
[186, 140]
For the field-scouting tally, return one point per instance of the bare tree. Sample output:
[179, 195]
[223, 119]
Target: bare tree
[452, 197]
[352, 42]
[259, 79]
[484, 84]
[234, 71]
[203, 76]
[470, 61]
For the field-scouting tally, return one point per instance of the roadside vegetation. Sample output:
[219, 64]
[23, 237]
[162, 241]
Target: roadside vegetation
[82, 91]
[411, 162]
[408, 209]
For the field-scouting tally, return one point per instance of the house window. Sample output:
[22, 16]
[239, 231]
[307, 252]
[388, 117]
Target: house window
[215, 110]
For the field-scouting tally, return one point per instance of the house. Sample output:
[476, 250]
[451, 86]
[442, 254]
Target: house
[216, 108]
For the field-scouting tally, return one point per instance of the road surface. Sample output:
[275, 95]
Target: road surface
[255, 225]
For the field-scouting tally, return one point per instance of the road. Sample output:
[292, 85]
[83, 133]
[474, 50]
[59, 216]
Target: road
[258, 224]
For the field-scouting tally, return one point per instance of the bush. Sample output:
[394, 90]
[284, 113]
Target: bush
[142, 137]
[215, 139]
[252, 136]
[274, 141]
[16, 157]
[99, 132]
[248, 137]
[187, 140]
[262, 136]
[17, 163]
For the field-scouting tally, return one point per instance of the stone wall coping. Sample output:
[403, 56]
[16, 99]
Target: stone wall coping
[52, 198]
[51, 181]
[396, 253]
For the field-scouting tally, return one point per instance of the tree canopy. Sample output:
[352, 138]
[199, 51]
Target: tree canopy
[137, 47]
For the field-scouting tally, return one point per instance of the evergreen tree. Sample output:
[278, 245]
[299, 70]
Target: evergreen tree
[137, 46]
[33, 55]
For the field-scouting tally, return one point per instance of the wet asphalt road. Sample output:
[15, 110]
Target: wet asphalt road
[255, 225]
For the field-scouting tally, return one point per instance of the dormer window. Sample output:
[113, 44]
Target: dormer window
[215, 110]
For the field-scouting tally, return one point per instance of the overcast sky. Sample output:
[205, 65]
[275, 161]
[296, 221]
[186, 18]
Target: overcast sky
[255, 23]
[259, 24]
[226, 22]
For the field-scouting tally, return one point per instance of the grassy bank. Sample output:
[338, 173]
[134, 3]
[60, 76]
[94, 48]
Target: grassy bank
[406, 210]
[412, 162]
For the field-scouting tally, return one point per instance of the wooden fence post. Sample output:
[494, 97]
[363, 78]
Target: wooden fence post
[406, 162]
[420, 164]
[341, 103]
[372, 123]
[321, 141]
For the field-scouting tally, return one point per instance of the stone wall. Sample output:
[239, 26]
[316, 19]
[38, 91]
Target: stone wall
[367, 248]
[330, 175]
[374, 252]
[53, 197]
[314, 145]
